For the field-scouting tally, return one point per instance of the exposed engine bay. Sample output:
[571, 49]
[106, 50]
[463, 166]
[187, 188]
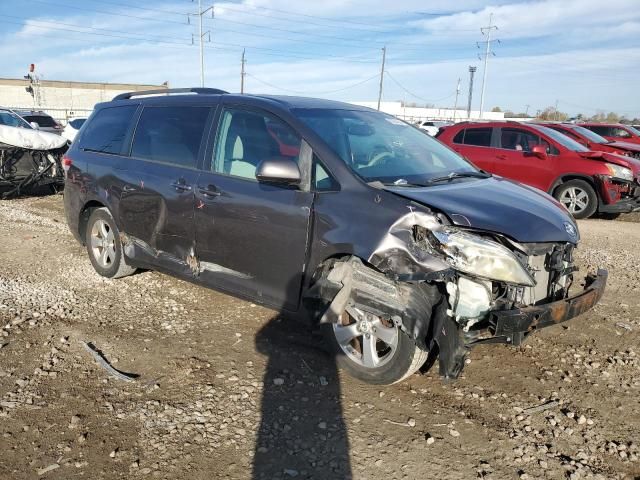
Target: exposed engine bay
[450, 288]
[29, 159]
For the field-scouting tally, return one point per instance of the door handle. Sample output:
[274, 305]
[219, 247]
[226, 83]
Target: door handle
[129, 188]
[181, 186]
[501, 157]
[209, 191]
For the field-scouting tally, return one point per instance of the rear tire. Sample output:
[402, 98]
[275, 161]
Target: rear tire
[371, 349]
[104, 247]
[578, 197]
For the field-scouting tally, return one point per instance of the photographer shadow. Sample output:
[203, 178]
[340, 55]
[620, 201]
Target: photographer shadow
[302, 433]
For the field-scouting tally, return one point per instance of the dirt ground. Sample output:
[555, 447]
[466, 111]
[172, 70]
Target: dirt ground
[227, 389]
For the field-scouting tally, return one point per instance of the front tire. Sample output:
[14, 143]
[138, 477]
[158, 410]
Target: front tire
[578, 197]
[372, 349]
[104, 247]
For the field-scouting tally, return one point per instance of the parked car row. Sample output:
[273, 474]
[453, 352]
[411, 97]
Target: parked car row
[586, 173]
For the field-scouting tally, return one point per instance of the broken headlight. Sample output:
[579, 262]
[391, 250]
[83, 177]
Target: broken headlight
[479, 256]
[616, 171]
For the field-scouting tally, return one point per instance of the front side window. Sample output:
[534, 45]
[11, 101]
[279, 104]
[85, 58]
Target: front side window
[246, 138]
[601, 130]
[106, 131]
[620, 133]
[380, 147]
[517, 139]
[170, 134]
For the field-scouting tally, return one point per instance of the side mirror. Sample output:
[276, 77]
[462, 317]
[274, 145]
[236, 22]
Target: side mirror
[539, 151]
[280, 171]
[34, 125]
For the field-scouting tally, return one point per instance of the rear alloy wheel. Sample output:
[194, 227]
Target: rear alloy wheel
[578, 197]
[373, 349]
[104, 246]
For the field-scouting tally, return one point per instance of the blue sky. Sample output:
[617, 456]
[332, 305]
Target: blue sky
[585, 54]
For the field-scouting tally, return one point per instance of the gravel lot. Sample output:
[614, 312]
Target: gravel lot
[228, 389]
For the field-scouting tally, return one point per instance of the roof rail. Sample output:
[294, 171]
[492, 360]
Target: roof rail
[163, 91]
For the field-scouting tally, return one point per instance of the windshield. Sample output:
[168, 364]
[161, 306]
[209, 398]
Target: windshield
[633, 130]
[590, 135]
[561, 138]
[10, 119]
[42, 120]
[379, 147]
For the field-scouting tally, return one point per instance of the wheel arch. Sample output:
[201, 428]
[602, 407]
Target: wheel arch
[573, 176]
[85, 213]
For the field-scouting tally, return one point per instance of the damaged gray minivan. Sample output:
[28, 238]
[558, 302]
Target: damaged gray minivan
[400, 250]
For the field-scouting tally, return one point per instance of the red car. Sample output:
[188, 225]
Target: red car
[614, 131]
[584, 181]
[593, 141]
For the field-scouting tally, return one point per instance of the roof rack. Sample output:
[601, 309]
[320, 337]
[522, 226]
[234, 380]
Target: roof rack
[166, 91]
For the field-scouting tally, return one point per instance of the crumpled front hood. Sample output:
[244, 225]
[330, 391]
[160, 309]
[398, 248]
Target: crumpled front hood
[632, 147]
[498, 205]
[30, 139]
[617, 158]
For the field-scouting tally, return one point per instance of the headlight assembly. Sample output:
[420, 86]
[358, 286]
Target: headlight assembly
[478, 256]
[617, 171]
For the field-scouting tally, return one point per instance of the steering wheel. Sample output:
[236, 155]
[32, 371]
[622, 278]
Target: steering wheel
[378, 154]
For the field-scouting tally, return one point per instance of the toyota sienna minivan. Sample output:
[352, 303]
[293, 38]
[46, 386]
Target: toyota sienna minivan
[397, 248]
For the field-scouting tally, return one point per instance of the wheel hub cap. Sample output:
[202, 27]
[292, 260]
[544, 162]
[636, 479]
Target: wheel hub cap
[365, 338]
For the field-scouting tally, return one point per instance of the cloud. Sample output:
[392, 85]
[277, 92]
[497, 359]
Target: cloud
[568, 50]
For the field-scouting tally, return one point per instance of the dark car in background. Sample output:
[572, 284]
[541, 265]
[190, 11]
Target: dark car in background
[582, 180]
[41, 121]
[391, 243]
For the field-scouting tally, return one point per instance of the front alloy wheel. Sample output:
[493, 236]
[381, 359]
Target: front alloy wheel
[373, 349]
[578, 197]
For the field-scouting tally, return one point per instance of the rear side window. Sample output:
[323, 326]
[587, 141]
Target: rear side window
[106, 131]
[600, 130]
[170, 134]
[480, 137]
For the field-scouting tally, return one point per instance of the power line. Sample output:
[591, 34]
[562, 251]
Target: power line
[312, 93]
[413, 94]
[153, 19]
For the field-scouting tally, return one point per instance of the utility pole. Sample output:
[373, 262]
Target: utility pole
[455, 105]
[526, 110]
[384, 55]
[242, 73]
[200, 14]
[555, 114]
[472, 72]
[486, 31]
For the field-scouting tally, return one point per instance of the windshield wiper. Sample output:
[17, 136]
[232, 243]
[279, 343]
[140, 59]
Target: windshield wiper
[454, 175]
[379, 184]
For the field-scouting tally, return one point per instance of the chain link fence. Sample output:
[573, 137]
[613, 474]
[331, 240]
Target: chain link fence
[61, 115]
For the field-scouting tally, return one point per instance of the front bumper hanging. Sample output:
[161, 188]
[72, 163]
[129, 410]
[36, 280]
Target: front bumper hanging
[512, 326]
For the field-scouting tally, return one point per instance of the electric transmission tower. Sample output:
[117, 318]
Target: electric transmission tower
[487, 53]
[200, 14]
